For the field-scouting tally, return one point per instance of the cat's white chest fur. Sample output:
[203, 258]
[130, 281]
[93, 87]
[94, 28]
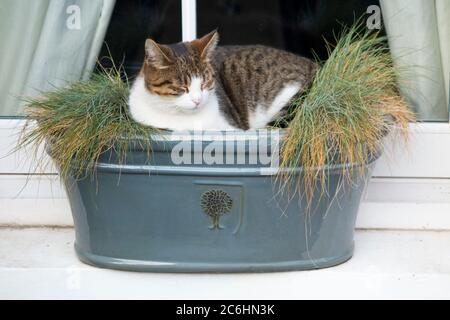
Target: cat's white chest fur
[156, 111]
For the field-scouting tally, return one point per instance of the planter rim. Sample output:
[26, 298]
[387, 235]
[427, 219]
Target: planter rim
[211, 135]
[164, 141]
[219, 171]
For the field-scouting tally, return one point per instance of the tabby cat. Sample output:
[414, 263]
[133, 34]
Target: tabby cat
[198, 85]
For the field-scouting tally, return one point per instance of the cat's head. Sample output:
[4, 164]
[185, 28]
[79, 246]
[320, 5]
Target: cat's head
[181, 74]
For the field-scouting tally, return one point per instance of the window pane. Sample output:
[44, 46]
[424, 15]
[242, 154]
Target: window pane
[294, 25]
[132, 22]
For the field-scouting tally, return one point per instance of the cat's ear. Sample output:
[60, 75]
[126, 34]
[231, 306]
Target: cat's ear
[206, 44]
[157, 55]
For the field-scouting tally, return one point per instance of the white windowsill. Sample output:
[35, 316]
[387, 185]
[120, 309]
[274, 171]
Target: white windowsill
[385, 265]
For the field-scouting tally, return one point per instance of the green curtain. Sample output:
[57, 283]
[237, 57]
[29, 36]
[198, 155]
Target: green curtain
[419, 38]
[42, 49]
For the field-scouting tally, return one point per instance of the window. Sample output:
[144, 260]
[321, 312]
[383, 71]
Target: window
[296, 26]
[134, 21]
[75, 35]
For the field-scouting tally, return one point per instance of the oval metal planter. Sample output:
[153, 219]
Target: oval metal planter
[159, 216]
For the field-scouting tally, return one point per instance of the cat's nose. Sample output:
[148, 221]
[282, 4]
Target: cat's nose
[196, 100]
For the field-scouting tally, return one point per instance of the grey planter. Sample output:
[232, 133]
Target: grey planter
[162, 217]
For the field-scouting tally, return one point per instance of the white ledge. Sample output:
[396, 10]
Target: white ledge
[40, 263]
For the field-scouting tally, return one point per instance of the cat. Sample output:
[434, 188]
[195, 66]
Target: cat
[199, 85]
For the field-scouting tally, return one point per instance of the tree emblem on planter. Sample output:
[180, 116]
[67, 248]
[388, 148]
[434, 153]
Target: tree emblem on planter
[215, 203]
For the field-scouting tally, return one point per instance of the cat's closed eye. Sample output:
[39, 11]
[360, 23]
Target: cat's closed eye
[177, 92]
[167, 88]
[207, 85]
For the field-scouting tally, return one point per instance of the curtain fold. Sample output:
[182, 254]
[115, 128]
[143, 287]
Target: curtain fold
[443, 18]
[418, 32]
[42, 50]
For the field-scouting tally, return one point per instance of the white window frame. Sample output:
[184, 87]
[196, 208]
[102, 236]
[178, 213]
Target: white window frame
[420, 173]
[189, 19]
